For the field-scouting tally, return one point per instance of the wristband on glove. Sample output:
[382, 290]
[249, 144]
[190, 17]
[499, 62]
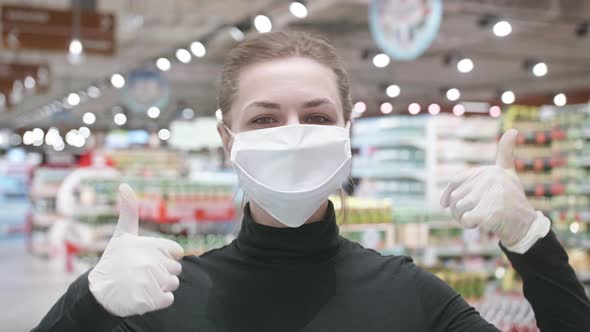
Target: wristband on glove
[539, 229]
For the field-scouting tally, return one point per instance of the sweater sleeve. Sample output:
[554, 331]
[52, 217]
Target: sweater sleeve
[445, 309]
[550, 285]
[78, 310]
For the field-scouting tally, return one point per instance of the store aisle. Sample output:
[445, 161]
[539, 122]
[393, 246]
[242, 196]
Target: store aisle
[29, 286]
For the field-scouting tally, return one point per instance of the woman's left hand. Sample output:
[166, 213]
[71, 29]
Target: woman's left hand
[492, 197]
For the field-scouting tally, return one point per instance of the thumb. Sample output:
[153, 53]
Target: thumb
[128, 215]
[505, 153]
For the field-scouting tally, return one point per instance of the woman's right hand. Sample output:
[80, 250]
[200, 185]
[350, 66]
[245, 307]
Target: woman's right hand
[135, 274]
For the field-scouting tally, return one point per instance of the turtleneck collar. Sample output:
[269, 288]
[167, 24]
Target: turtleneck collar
[310, 242]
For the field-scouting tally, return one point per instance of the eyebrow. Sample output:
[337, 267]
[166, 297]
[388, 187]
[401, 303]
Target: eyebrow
[264, 104]
[316, 103]
[308, 104]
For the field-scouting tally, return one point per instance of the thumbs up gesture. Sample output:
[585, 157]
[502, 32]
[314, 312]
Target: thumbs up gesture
[492, 198]
[135, 274]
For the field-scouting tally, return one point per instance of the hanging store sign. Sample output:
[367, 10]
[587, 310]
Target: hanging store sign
[25, 27]
[18, 80]
[404, 29]
[145, 88]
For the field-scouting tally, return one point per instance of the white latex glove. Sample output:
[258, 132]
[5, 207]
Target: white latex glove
[135, 274]
[492, 198]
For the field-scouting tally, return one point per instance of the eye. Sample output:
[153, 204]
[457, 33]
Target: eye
[318, 119]
[263, 120]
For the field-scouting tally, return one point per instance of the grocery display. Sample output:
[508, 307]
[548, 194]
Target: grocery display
[43, 195]
[409, 160]
[14, 205]
[551, 165]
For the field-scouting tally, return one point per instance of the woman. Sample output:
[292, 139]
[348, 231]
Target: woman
[286, 116]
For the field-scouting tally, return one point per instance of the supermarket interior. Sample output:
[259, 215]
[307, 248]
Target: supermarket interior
[94, 93]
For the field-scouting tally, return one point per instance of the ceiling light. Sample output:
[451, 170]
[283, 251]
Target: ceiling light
[459, 110]
[298, 9]
[29, 82]
[37, 134]
[359, 107]
[164, 134]
[89, 118]
[52, 136]
[198, 49]
[508, 97]
[540, 69]
[120, 119]
[502, 28]
[453, 94]
[28, 138]
[560, 99]
[495, 111]
[393, 91]
[93, 92]
[153, 112]
[183, 55]
[118, 81]
[236, 33]
[381, 60]
[163, 64]
[72, 137]
[386, 108]
[262, 23]
[414, 108]
[84, 131]
[188, 113]
[434, 109]
[76, 47]
[73, 99]
[465, 65]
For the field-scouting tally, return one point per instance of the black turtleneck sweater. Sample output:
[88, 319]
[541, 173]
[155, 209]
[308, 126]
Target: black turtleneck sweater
[311, 279]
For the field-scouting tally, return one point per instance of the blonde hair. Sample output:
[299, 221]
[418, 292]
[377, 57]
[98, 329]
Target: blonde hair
[278, 45]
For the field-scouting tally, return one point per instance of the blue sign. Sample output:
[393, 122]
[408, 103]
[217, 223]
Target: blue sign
[404, 29]
[145, 88]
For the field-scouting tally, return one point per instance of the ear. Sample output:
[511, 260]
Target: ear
[225, 138]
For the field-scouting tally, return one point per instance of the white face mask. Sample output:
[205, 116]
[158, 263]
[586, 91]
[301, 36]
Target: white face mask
[291, 170]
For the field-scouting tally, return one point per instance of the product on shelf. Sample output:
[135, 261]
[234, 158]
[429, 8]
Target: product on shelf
[148, 162]
[390, 159]
[409, 160]
[553, 164]
[43, 193]
[471, 285]
[164, 200]
[358, 210]
[199, 213]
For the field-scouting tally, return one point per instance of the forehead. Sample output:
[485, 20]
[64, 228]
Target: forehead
[286, 81]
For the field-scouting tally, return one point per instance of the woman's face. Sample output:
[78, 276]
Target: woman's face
[282, 92]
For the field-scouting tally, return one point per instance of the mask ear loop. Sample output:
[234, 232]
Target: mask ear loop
[229, 132]
[348, 125]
